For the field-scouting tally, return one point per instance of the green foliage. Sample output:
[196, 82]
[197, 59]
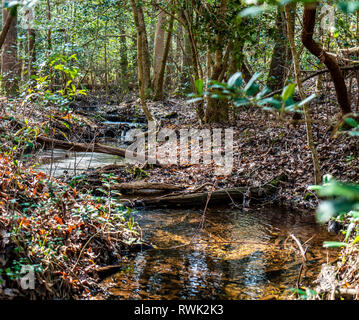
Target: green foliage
[349, 6]
[304, 294]
[250, 94]
[342, 205]
[40, 87]
[354, 123]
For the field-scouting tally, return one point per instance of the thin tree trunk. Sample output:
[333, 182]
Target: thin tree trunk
[309, 18]
[106, 66]
[140, 57]
[217, 110]
[145, 50]
[159, 48]
[310, 140]
[123, 59]
[5, 29]
[198, 72]
[31, 52]
[161, 75]
[48, 8]
[187, 64]
[10, 67]
[279, 63]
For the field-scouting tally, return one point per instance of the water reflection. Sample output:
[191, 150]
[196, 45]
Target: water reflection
[237, 255]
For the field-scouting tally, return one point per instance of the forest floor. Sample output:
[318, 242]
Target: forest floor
[265, 148]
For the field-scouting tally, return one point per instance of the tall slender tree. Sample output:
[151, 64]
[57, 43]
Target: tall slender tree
[10, 66]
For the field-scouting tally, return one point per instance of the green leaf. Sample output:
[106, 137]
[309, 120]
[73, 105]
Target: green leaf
[238, 102]
[272, 101]
[328, 178]
[349, 6]
[337, 189]
[251, 81]
[349, 231]
[235, 80]
[194, 100]
[352, 122]
[305, 101]
[199, 84]
[252, 11]
[288, 91]
[252, 90]
[332, 208]
[334, 244]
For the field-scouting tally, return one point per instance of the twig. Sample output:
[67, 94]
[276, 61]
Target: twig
[302, 251]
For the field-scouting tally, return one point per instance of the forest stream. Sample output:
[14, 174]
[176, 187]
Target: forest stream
[235, 254]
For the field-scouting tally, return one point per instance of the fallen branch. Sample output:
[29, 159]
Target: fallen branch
[96, 147]
[136, 185]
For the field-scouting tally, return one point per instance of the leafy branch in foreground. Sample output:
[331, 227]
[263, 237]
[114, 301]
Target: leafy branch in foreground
[251, 94]
[342, 205]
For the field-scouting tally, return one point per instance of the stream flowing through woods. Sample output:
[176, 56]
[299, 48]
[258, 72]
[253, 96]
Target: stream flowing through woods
[236, 255]
[226, 254]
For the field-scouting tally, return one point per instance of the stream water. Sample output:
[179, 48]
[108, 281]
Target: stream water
[234, 254]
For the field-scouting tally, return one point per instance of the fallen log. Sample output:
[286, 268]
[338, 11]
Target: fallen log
[94, 147]
[138, 185]
[256, 195]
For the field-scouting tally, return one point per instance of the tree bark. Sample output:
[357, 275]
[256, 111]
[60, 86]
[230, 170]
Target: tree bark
[280, 59]
[186, 20]
[123, 58]
[309, 18]
[143, 78]
[145, 51]
[5, 29]
[31, 34]
[10, 67]
[161, 75]
[159, 47]
[187, 63]
[217, 110]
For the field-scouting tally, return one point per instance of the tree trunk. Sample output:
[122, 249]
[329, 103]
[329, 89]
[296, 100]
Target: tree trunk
[146, 61]
[187, 64]
[123, 59]
[31, 34]
[186, 21]
[217, 110]
[309, 18]
[10, 67]
[159, 48]
[5, 29]
[142, 70]
[280, 59]
[310, 140]
[161, 74]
